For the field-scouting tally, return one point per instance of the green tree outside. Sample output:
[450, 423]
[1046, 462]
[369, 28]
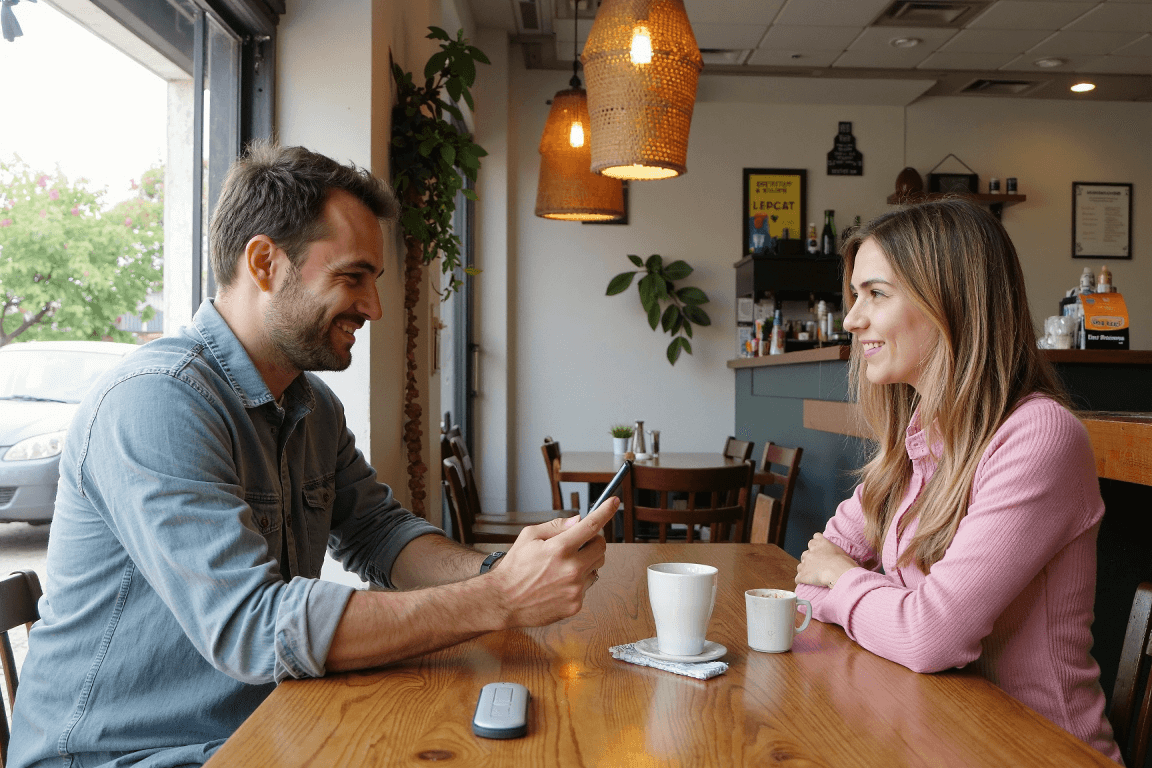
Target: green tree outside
[68, 266]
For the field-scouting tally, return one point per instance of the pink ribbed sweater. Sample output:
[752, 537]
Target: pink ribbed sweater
[1013, 595]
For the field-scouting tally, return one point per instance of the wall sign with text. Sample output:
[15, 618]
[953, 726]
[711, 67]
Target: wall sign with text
[774, 201]
[1101, 220]
[845, 159]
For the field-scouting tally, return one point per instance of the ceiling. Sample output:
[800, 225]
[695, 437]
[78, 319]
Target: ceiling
[996, 48]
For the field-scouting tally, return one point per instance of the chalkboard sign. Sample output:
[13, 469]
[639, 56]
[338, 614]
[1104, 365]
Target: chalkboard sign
[845, 159]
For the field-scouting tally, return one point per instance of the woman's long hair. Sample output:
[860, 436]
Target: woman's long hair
[960, 268]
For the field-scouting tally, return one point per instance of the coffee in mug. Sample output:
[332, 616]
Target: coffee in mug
[772, 619]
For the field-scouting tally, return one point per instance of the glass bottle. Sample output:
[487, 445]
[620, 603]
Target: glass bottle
[828, 236]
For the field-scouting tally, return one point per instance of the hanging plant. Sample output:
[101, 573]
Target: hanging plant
[682, 308]
[429, 154]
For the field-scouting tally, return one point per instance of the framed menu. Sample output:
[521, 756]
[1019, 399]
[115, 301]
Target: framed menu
[774, 201]
[1101, 220]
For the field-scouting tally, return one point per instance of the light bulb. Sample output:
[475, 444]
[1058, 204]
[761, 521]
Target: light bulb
[641, 52]
[1083, 87]
[576, 135]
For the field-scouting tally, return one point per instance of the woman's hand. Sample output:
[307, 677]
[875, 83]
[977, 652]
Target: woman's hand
[823, 563]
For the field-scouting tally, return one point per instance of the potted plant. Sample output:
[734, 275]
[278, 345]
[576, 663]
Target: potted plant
[621, 433]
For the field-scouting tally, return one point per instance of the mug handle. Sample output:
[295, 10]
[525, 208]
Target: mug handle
[807, 614]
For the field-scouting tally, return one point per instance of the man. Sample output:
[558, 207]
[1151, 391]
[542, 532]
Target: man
[203, 479]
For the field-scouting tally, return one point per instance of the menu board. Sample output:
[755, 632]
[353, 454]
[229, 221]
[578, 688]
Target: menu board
[774, 202]
[1101, 220]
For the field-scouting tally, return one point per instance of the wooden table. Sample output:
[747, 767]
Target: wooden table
[600, 466]
[827, 703]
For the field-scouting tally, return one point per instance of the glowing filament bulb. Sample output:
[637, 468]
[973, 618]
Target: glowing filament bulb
[641, 52]
[576, 135]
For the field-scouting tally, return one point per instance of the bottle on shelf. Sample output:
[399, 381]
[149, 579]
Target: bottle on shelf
[777, 345]
[1104, 284]
[1087, 281]
[828, 236]
[849, 231]
[813, 241]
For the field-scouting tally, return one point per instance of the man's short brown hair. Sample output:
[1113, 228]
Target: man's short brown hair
[280, 192]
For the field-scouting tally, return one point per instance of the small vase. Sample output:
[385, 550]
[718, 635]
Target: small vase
[620, 445]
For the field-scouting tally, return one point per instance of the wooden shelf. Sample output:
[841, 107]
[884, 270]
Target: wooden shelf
[896, 198]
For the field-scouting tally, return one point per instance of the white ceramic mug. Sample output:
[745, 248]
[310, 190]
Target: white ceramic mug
[682, 596]
[772, 619]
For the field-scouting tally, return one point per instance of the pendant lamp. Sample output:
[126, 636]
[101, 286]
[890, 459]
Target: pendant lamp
[567, 189]
[642, 64]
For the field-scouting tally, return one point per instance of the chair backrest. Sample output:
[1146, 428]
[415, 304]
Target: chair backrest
[463, 514]
[460, 451]
[716, 497]
[741, 450]
[446, 423]
[551, 451]
[1135, 659]
[788, 460]
[18, 595]
[764, 514]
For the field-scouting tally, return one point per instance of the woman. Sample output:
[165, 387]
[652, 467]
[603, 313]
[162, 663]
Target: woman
[981, 500]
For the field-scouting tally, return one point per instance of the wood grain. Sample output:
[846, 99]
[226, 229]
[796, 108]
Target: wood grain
[827, 703]
[1123, 446]
[836, 416]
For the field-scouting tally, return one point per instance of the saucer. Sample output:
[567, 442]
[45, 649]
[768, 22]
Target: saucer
[651, 649]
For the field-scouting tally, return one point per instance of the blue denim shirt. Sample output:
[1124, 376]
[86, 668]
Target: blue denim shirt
[166, 617]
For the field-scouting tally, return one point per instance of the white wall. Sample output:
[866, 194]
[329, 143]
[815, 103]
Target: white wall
[579, 361]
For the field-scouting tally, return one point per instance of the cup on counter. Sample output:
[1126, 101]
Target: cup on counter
[682, 596]
[1058, 330]
[772, 619]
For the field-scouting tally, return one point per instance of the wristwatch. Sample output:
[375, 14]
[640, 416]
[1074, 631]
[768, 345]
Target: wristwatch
[490, 561]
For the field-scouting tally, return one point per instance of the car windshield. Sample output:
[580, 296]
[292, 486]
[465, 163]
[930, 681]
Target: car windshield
[49, 374]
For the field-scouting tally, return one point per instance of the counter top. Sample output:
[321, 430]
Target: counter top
[1061, 356]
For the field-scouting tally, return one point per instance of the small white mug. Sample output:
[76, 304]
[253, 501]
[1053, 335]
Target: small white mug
[682, 596]
[772, 619]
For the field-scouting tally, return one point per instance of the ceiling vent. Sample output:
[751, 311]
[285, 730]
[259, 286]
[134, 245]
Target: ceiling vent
[722, 56]
[950, 14]
[985, 87]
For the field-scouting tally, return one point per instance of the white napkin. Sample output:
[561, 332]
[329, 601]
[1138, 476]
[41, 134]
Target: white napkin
[701, 670]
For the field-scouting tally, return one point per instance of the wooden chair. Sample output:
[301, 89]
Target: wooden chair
[1133, 673]
[788, 460]
[18, 595]
[716, 497]
[468, 531]
[460, 453]
[741, 450]
[551, 451]
[764, 515]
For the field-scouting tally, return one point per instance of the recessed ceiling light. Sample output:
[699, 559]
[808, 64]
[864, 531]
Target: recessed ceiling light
[905, 42]
[1049, 63]
[1084, 87]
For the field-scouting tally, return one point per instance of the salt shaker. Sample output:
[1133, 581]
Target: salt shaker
[638, 445]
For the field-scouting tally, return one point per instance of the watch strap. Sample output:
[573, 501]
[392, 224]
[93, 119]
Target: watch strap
[490, 561]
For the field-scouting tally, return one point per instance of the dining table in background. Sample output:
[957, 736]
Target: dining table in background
[827, 703]
[600, 466]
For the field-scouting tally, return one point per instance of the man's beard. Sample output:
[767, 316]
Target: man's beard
[298, 329]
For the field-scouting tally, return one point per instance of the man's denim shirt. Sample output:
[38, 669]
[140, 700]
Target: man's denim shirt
[166, 619]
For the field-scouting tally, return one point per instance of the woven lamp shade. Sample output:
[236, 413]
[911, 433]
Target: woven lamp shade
[568, 190]
[641, 112]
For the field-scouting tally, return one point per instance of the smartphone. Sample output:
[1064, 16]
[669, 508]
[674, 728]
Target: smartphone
[612, 487]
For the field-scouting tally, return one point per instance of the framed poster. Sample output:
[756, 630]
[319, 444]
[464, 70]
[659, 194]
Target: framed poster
[1101, 220]
[775, 200]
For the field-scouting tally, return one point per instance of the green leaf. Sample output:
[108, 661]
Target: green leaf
[654, 315]
[467, 70]
[619, 283]
[471, 195]
[453, 86]
[660, 287]
[697, 315]
[478, 54]
[687, 328]
[647, 294]
[472, 271]
[654, 262]
[686, 344]
[692, 296]
[435, 33]
[435, 64]
[448, 153]
[636, 260]
[677, 270]
[677, 324]
[669, 316]
[674, 350]
[468, 101]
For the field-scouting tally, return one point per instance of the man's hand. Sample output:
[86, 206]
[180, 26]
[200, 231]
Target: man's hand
[543, 577]
[823, 563]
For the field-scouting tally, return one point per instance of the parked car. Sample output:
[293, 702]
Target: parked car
[41, 385]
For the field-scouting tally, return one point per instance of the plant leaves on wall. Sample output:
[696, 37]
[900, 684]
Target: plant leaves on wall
[658, 285]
